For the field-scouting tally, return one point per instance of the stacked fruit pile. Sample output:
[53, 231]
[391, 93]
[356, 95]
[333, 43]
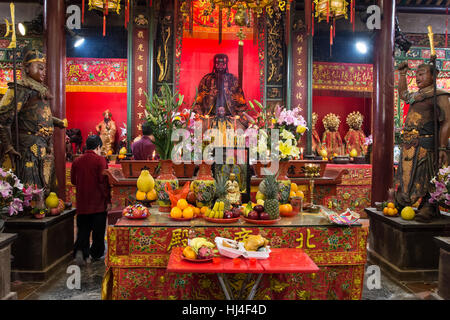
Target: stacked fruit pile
[390, 210]
[135, 211]
[269, 208]
[184, 210]
[146, 187]
[54, 205]
[199, 248]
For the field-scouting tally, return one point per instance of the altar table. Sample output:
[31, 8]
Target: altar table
[281, 260]
[139, 250]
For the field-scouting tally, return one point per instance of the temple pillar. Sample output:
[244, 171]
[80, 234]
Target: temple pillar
[55, 43]
[383, 105]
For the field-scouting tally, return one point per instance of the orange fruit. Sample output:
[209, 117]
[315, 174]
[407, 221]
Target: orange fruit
[395, 211]
[385, 210]
[292, 194]
[188, 213]
[284, 208]
[182, 204]
[203, 210]
[176, 212]
[300, 194]
[391, 205]
[196, 211]
[189, 253]
[152, 195]
[294, 187]
[288, 208]
[390, 212]
[109, 152]
[140, 195]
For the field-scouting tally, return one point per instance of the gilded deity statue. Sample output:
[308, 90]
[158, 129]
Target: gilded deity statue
[32, 156]
[355, 138]
[332, 140]
[417, 164]
[220, 88]
[107, 131]
[233, 191]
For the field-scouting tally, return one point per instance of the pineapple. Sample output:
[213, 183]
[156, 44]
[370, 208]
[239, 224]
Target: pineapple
[271, 203]
[221, 192]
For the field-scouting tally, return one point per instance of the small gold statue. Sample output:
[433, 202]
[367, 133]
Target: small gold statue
[233, 192]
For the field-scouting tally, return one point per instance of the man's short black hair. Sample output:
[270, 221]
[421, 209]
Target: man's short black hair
[146, 129]
[92, 142]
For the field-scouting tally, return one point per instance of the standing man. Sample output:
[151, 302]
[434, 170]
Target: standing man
[93, 196]
[33, 154]
[144, 148]
[417, 158]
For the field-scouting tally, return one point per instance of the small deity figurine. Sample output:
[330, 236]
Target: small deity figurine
[331, 138]
[107, 131]
[355, 138]
[233, 192]
[222, 123]
[316, 143]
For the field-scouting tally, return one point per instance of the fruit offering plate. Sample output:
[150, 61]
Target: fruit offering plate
[195, 260]
[290, 214]
[217, 220]
[262, 222]
[135, 217]
[182, 219]
[348, 217]
[233, 249]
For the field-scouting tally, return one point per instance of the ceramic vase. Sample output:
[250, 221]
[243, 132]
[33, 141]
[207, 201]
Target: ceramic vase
[166, 174]
[204, 186]
[284, 182]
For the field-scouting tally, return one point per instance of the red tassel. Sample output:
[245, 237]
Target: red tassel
[107, 7]
[104, 25]
[351, 12]
[82, 12]
[331, 35]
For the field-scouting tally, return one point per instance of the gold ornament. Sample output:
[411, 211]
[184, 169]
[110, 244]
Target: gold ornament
[331, 121]
[326, 9]
[355, 120]
[101, 5]
[315, 116]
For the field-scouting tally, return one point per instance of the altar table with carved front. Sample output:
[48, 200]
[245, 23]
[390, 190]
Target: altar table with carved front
[139, 250]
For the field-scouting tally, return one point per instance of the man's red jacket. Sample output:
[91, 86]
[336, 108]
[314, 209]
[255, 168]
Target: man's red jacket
[93, 192]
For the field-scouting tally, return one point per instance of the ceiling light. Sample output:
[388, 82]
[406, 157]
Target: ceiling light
[78, 41]
[22, 29]
[361, 47]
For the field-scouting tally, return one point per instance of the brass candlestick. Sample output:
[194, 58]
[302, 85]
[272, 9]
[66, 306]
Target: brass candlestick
[312, 171]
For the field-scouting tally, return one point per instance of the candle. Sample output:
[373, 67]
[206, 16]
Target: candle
[207, 117]
[301, 153]
[153, 155]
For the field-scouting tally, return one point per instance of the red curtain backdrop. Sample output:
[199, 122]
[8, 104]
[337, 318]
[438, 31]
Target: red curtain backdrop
[342, 106]
[84, 110]
[197, 61]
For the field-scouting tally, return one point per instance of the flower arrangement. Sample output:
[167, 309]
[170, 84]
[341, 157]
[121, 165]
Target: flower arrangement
[289, 124]
[14, 195]
[441, 183]
[162, 112]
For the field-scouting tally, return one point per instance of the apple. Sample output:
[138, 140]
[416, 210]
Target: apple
[264, 216]
[237, 212]
[258, 208]
[228, 215]
[54, 211]
[253, 215]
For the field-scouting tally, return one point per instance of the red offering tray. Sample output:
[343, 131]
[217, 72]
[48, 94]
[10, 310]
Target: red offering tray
[292, 214]
[182, 219]
[196, 260]
[261, 222]
[232, 220]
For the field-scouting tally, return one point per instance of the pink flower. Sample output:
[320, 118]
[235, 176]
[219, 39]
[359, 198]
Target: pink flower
[15, 207]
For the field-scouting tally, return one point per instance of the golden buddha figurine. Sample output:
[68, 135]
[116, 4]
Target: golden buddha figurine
[355, 138]
[233, 191]
[332, 140]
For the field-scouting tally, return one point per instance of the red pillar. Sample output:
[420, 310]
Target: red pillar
[55, 42]
[383, 105]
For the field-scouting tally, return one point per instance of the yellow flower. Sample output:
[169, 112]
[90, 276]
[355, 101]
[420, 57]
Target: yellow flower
[274, 120]
[285, 149]
[285, 134]
[301, 129]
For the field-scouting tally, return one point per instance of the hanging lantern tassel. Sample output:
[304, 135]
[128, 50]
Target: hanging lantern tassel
[220, 24]
[351, 12]
[104, 25]
[241, 62]
[82, 11]
[331, 35]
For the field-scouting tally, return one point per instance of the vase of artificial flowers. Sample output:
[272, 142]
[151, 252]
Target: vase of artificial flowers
[441, 186]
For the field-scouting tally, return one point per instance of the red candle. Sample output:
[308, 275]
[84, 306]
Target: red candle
[301, 153]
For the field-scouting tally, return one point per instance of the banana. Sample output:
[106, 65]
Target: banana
[217, 215]
[221, 206]
[197, 243]
[221, 215]
[216, 206]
